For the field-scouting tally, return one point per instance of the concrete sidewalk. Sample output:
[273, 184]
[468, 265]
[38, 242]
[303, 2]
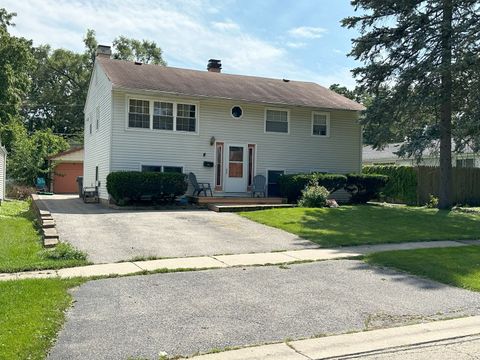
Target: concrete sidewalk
[360, 345]
[223, 261]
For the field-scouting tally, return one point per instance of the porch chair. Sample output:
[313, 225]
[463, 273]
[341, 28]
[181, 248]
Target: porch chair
[198, 188]
[259, 185]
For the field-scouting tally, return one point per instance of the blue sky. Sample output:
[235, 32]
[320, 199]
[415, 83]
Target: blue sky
[297, 39]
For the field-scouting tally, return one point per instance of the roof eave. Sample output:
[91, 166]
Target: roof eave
[173, 93]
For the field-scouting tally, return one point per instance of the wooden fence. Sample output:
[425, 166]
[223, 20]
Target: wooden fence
[466, 184]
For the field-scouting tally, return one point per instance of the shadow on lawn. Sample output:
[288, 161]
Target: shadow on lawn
[358, 225]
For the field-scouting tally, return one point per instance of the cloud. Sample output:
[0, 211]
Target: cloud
[186, 30]
[296, 45]
[226, 25]
[307, 32]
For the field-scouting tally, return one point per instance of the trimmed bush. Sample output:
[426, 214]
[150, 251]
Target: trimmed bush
[132, 186]
[314, 196]
[402, 182]
[365, 187]
[291, 185]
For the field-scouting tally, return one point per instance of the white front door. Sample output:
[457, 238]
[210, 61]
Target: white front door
[236, 168]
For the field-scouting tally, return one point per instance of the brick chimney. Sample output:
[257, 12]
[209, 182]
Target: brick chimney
[103, 51]
[214, 65]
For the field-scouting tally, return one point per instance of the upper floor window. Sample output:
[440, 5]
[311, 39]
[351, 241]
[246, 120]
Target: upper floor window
[97, 117]
[139, 114]
[186, 117]
[162, 115]
[321, 124]
[276, 121]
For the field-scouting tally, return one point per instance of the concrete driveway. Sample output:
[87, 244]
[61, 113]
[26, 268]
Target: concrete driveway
[183, 313]
[109, 235]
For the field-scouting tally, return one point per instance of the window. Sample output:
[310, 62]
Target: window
[139, 114]
[160, 168]
[96, 174]
[173, 169]
[320, 124]
[465, 163]
[151, 168]
[186, 117]
[251, 164]
[276, 121]
[97, 116]
[219, 166]
[162, 115]
[90, 128]
[237, 112]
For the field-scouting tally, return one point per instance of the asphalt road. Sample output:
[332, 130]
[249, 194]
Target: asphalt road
[184, 313]
[108, 235]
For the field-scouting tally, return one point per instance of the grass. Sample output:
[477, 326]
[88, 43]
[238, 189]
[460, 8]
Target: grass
[366, 224]
[32, 314]
[459, 266]
[20, 243]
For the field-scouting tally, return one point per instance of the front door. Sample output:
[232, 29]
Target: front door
[235, 169]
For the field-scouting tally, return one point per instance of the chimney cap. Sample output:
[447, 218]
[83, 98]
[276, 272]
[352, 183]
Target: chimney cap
[214, 65]
[103, 50]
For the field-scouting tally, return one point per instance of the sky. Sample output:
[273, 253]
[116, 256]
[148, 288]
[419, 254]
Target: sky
[294, 39]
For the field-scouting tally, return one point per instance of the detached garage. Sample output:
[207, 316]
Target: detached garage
[68, 165]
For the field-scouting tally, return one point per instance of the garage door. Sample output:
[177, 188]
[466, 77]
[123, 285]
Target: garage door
[65, 178]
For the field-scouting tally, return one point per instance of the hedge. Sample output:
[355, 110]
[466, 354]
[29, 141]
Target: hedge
[402, 183]
[365, 187]
[291, 185]
[132, 186]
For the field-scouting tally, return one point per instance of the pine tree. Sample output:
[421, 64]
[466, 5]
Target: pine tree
[417, 57]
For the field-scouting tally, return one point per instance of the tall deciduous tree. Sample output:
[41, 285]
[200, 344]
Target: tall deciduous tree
[137, 50]
[16, 62]
[417, 59]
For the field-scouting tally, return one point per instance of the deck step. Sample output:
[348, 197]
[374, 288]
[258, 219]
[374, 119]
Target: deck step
[245, 207]
[204, 200]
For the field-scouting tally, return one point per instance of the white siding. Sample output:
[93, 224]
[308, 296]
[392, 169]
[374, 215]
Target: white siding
[3, 167]
[298, 151]
[97, 145]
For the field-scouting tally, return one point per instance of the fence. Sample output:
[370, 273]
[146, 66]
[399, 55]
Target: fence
[465, 184]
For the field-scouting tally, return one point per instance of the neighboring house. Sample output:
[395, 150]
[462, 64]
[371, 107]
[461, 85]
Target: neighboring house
[3, 171]
[430, 157]
[68, 165]
[224, 128]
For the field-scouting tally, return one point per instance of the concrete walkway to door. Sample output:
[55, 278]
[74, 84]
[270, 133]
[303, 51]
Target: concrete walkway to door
[109, 235]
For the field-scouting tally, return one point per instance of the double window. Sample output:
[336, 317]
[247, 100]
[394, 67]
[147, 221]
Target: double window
[276, 121]
[162, 115]
[162, 168]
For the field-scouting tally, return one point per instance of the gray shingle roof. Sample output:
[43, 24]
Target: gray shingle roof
[128, 75]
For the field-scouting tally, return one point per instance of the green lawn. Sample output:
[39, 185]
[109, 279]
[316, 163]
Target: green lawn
[20, 243]
[458, 266]
[32, 312]
[365, 224]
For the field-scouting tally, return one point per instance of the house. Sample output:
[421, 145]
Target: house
[67, 166]
[224, 128]
[430, 157]
[3, 172]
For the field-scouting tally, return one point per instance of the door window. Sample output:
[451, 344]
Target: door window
[235, 165]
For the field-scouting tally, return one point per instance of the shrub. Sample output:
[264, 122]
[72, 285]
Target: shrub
[314, 196]
[365, 187]
[402, 182]
[132, 186]
[432, 202]
[291, 185]
[19, 192]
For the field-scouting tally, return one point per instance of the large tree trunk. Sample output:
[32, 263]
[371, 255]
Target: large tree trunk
[445, 190]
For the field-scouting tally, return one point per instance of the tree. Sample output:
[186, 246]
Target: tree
[418, 56]
[16, 62]
[343, 90]
[135, 50]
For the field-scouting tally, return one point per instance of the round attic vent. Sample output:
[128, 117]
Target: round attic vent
[237, 112]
